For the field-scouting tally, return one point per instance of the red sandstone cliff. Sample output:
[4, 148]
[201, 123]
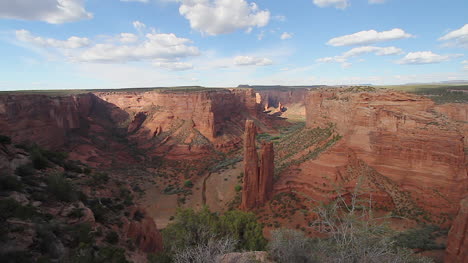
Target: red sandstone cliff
[457, 243]
[258, 181]
[289, 101]
[174, 124]
[412, 156]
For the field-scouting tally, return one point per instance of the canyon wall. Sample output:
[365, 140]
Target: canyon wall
[289, 101]
[258, 180]
[173, 123]
[457, 243]
[43, 119]
[412, 155]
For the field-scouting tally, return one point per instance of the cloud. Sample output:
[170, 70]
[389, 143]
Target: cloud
[425, 57]
[340, 4]
[376, 1]
[286, 35]
[139, 26]
[174, 66]
[127, 38]
[223, 16]
[251, 61]
[343, 58]
[71, 43]
[368, 37]
[125, 47]
[50, 11]
[457, 37]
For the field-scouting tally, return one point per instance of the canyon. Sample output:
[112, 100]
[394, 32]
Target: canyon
[403, 151]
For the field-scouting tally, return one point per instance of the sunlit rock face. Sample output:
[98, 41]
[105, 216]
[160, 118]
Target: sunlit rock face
[411, 151]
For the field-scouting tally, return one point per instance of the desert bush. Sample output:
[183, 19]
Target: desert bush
[420, 238]
[61, 188]
[39, 161]
[112, 237]
[192, 228]
[205, 253]
[188, 184]
[5, 140]
[238, 188]
[10, 208]
[288, 245]
[25, 170]
[10, 183]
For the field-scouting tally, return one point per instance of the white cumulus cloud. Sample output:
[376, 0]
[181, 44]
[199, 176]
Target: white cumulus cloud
[128, 38]
[286, 35]
[457, 37]
[71, 43]
[340, 4]
[425, 57]
[368, 37]
[215, 17]
[357, 51]
[251, 61]
[122, 48]
[50, 11]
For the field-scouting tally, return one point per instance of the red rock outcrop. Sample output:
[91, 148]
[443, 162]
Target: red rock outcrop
[457, 243]
[413, 156]
[142, 230]
[251, 183]
[258, 181]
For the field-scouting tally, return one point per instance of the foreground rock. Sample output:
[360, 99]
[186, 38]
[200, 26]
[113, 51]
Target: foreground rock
[258, 181]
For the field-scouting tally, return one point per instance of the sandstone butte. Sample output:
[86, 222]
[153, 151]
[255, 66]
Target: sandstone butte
[411, 151]
[258, 180]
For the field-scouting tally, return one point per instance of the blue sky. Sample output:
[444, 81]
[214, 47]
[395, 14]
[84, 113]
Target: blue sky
[70, 44]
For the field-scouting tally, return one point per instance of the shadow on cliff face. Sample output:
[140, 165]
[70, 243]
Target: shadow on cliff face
[91, 129]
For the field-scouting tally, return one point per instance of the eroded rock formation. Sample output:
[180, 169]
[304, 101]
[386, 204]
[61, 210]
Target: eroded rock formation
[457, 243]
[258, 181]
[412, 155]
[142, 230]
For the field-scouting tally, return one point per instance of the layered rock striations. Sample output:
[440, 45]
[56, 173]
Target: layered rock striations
[457, 243]
[258, 180]
[175, 124]
[251, 172]
[412, 155]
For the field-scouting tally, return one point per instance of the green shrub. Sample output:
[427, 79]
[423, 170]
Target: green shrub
[238, 188]
[72, 167]
[25, 170]
[419, 238]
[5, 140]
[100, 178]
[188, 184]
[39, 161]
[10, 183]
[61, 188]
[191, 228]
[10, 208]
